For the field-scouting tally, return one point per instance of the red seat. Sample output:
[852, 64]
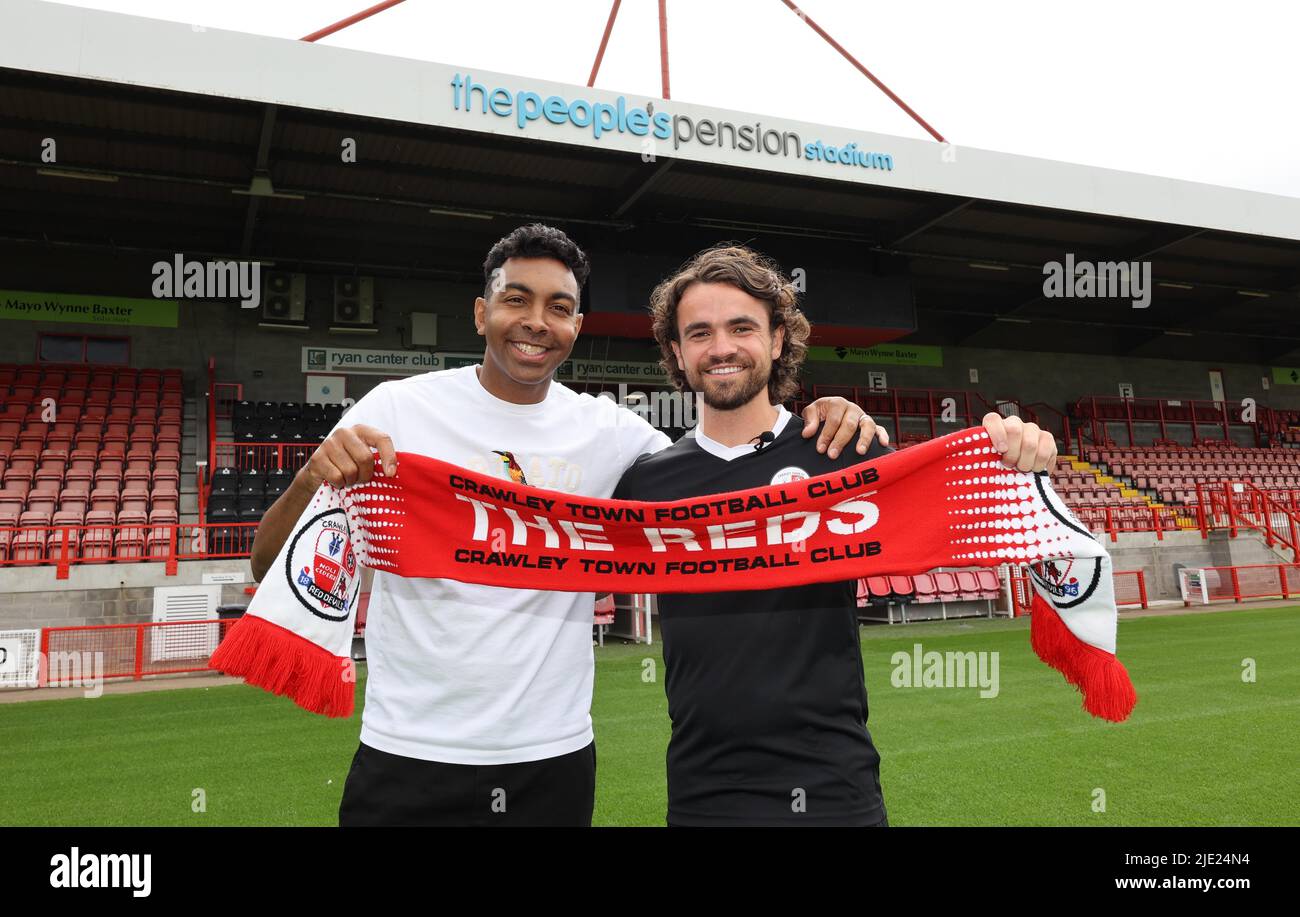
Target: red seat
[169, 433]
[12, 499]
[164, 496]
[36, 516]
[901, 586]
[925, 588]
[105, 497]
[946, 583]
[129, 545]
[137, 470]
[51, 469]
[21, 471]
[968, 585]
[79, 470]
[71, 516]
[135, 497]
[54, 543]
[27, 545]
[43, 496]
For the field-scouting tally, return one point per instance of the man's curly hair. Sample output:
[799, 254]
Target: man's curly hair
[536, 240]
[755, 274]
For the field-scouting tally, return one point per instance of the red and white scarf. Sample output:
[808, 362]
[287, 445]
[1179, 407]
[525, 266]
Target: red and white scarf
[945, 502]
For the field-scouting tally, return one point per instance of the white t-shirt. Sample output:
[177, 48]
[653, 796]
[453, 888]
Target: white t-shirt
[468, 674]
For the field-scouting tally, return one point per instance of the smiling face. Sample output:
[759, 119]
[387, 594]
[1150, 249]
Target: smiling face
[530, 323]
[725, 344]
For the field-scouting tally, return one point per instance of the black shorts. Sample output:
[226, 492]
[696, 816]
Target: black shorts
[388, 789]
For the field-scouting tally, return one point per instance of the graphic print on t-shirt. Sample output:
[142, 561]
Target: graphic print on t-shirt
[513, 469]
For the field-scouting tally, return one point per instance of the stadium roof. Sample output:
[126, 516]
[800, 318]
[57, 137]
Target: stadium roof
[175, 125]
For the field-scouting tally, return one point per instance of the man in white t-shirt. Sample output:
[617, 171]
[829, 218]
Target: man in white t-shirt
[478, 698]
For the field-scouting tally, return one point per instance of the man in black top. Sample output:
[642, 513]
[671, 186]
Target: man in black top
[765, 688]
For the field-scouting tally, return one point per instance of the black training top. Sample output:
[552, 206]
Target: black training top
[765, 688]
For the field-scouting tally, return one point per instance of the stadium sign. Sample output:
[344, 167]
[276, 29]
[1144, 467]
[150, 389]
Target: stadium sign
[611, 371]
[654, 122]
[913, 355]
[23, 305]
[361, 362]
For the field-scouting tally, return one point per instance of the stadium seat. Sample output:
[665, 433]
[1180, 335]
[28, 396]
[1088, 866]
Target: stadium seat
[164, 496]
[105, 497]
[27, 545]
[926, 592]
[901, 586]
[878, 588]
[946, 584]
[968, 585]
[135, 497]
[224, 481]
[223, 508]
[166, 471]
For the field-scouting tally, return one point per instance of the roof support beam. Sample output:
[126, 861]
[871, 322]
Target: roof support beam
[260, 166]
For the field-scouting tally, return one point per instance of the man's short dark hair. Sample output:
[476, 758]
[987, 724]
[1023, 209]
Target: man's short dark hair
[536, 240]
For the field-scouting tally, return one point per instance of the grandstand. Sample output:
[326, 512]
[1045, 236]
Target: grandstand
[136, 503]
[91, 460]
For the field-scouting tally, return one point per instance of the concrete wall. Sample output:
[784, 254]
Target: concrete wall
[1156, 558]
[101, 593]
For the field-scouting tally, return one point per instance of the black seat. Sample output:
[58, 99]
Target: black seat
[222, 508]
[225, 481]
[244, 410]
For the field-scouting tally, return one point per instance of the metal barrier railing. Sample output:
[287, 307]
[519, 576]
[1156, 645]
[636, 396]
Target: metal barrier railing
[1130, 589]
[66, 545]
[128, 650]
[1243, 581]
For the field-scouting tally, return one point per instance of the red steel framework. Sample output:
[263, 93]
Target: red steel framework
[355, 18]
[663, 50]
[1095, 413]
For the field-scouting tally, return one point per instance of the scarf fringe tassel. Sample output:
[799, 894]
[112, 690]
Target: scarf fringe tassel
[280, 661]
[1107, 691]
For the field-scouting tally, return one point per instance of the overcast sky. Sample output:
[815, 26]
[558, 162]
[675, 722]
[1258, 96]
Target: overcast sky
[1189, 89]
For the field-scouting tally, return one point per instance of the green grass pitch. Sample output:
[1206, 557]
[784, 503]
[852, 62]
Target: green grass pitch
[1203, 747]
